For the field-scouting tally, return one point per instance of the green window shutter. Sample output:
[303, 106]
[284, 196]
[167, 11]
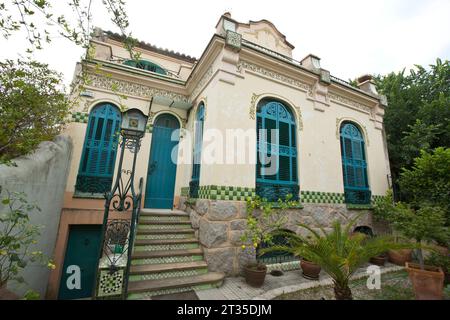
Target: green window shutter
[354, 166]
[96, 169]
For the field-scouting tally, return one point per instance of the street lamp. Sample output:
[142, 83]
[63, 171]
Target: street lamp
[118, 234]
[133, 124]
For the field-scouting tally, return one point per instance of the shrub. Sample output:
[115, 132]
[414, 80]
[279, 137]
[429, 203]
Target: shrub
[33, 107]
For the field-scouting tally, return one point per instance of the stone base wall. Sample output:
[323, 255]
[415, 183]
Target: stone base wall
[220, 224]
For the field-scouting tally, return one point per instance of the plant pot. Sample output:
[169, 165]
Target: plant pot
[428, 284]
[400, 257]
[310, 270]
[378, 260]
[255, 275]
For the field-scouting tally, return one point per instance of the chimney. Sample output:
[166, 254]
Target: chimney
[366, 83]
[312, 63]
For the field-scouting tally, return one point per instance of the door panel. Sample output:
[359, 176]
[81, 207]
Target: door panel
[82, 253]
[162, 170]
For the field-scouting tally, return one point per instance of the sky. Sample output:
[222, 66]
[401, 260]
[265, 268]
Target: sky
[352, 37]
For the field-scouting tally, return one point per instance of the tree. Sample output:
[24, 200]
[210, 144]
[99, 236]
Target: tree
[426, 223]
[32, 107]
[418, 116]
[339, 253]
[29, 15]
[427, 183]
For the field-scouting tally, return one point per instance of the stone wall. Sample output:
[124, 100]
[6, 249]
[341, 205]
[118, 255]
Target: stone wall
[42, 177]
[219, 225]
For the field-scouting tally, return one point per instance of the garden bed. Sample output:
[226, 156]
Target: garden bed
[394, 286]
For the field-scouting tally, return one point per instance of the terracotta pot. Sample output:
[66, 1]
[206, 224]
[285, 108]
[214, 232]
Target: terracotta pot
[400, 257]
[310, 270]
[378, 260]
[255, 276]
[428, 283]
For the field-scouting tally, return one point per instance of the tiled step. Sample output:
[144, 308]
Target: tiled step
[172, 244]
[155, 268]
[163, 254]
[162, 222]
[161, 257]
[143, 242]
[169, 270]
[168, 247]
[165, 226]
[165, 231]
[164, 236]
[166, 218]
[163, 213]
[147, 288]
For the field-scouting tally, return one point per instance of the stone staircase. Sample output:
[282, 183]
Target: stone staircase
[167, 258]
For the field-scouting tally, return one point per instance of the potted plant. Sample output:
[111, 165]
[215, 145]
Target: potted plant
[338, 252]
[424, 224]
[379, 260]
[440, 260]
[263, 219]
[310, 270]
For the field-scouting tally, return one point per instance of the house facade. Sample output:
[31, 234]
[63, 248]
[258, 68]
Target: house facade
[244, 119]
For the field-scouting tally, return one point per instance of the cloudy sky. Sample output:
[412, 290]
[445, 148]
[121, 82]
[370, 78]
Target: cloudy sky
[351, 37]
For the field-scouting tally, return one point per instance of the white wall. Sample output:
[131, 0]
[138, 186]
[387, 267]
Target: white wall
[42, 177]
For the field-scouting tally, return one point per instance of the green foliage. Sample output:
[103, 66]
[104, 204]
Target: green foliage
[264, 218]
[32, 107]
[28, 15]
[427, 183]
[32, 295]
[438, 259]
[339, 252]
[418, 116]
[424, 224]
[18, 238]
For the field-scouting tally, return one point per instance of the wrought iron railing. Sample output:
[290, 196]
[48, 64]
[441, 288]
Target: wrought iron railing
[357, 195]
[118, 234]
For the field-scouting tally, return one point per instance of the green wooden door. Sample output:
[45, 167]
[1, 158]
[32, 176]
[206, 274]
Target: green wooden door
[81, 260]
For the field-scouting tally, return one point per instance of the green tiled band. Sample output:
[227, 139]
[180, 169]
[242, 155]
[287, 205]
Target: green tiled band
[241, 194]
[322, 197]
[80, 117]
[225, 193]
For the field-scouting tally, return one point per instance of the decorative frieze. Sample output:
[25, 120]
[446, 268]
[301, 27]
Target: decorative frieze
[132, 89]
[275, 76]
[348, 102]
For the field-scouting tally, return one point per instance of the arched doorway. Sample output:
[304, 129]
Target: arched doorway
[162, 169]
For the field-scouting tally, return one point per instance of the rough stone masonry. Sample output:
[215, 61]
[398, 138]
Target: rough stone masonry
[220, 224]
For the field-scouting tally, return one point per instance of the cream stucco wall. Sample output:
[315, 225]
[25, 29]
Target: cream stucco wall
[229, 91]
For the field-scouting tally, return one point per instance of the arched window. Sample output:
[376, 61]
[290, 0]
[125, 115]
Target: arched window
[145, 65]
[354, 165]
[276, 169]
[195, 181]
[96, 169]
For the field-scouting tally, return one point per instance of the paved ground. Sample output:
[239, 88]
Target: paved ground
[237, 289]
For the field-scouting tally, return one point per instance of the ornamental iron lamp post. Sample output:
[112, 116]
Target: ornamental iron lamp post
[118, 234]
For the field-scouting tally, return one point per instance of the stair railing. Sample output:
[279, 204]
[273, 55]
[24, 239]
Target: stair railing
[118, 233]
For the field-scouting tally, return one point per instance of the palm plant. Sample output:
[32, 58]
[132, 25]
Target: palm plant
[339, 252]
